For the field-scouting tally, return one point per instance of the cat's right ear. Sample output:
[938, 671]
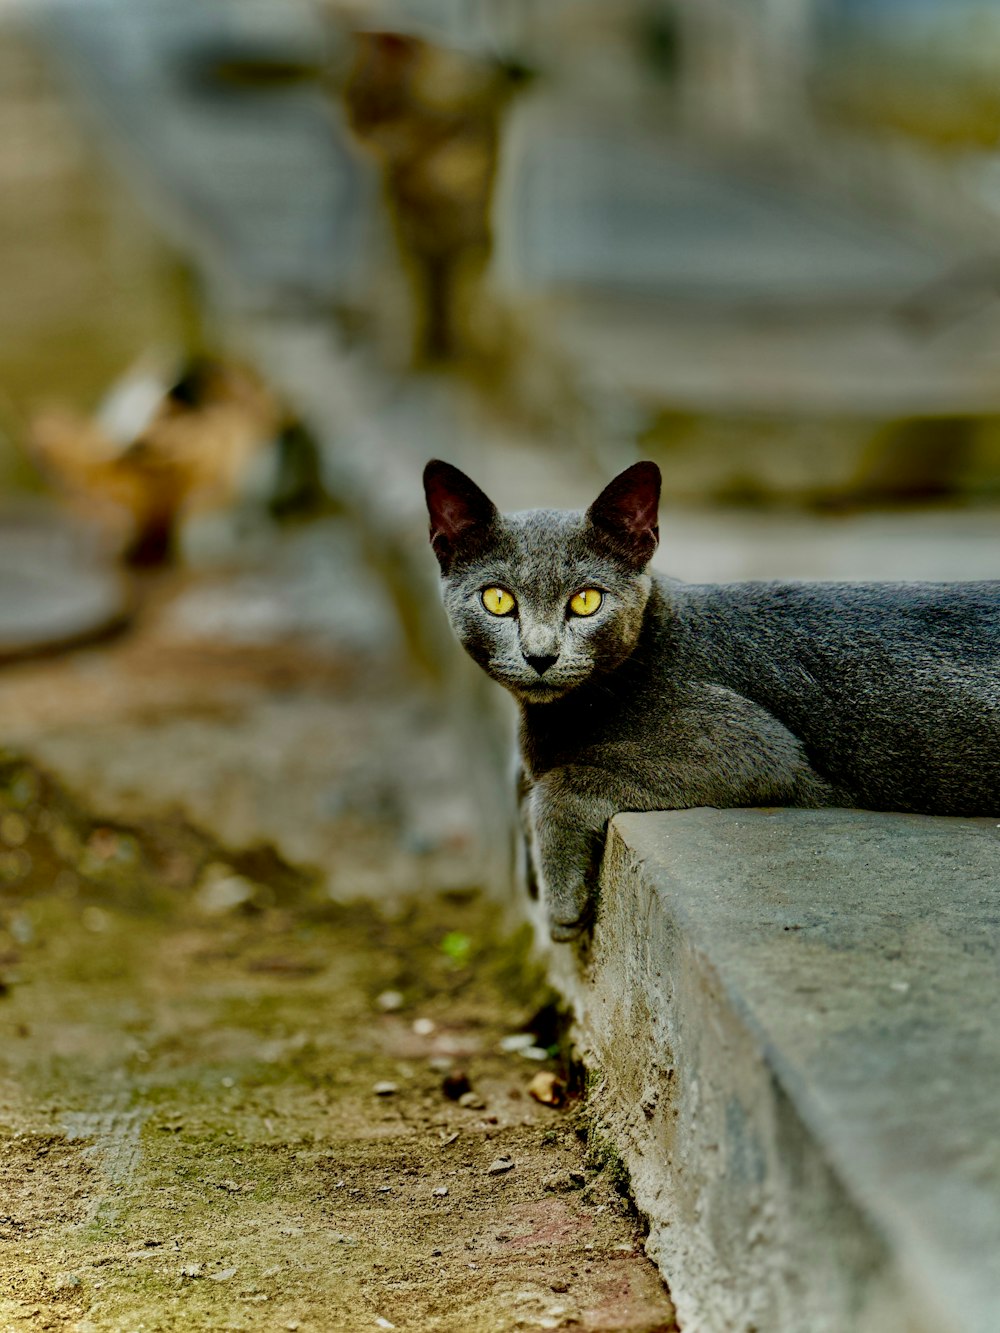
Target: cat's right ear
[461, 514]
[625, 514]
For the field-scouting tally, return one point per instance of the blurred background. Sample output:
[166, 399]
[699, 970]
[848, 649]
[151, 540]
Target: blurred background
[758, 242]
[260, 259]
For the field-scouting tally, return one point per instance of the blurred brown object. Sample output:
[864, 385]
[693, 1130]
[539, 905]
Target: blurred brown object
[547, 1088]
[158, 448]
[431, 117]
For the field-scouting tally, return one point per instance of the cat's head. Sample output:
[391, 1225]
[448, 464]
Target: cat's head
[545, 600]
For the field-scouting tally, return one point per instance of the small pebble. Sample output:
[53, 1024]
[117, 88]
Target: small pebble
[440, 1192]
[423, 1027]
[471, 1101]
[456, 1084]
[220, 891]
[21, 928]
[564, 1181]
[223, 1275]
[389, 1001]
[534, 1053]
[500, 1165]
[96, 920]
[517, 1041]
[385, 1089]
[548, 1089]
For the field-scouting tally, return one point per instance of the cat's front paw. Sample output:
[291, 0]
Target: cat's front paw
[566, 842]
[569, 908]
[562, 932]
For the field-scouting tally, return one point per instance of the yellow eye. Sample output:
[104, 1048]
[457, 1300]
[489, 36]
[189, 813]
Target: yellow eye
[499, 601]
[585, 603]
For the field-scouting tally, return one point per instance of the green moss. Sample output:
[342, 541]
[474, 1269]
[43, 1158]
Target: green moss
[604, 1159]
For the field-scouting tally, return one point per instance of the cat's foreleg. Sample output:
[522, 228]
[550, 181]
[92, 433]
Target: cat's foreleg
[726, 751]
[568, 813]
[527, 873]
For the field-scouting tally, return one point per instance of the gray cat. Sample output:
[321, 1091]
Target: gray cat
[642, 693]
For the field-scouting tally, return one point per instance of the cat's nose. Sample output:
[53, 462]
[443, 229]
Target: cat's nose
[541, 663]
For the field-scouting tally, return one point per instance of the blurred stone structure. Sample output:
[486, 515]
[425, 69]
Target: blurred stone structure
[85, 278]
[744, 237]
[740, 236]
[738, 274]
[431, 118]
[217, 117]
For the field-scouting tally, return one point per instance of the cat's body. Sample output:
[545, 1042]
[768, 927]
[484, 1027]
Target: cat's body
[666, 696]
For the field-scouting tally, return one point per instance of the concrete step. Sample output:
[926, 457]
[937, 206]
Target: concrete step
[796, 1016]
[590, 201]
[59, 586]
[217, 118]
[686, 280]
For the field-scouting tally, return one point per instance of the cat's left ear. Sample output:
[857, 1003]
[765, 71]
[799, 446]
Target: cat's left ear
[462, 516]
[626, 513]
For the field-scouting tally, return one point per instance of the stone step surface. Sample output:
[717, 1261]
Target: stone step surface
[57, 585]
[681, 278]
[796, 1015]
[217, 117]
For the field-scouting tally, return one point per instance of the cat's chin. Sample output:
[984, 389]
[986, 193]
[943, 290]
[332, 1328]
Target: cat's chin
[540, 693]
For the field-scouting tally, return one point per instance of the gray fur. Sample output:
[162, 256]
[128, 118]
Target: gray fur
[883, 696]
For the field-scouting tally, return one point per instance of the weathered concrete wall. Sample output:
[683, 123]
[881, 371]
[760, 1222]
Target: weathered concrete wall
[794, 1015]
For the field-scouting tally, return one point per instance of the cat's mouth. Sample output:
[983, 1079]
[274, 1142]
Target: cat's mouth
[538, 692]
[533, 689]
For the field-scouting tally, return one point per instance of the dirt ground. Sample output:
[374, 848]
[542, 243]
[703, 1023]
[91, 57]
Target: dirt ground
[223, 1067]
